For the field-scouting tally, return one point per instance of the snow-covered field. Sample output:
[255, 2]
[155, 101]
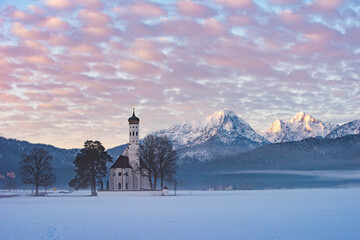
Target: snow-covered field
[265, 214]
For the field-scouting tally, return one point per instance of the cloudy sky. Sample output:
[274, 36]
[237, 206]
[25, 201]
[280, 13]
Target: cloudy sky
[71, 70]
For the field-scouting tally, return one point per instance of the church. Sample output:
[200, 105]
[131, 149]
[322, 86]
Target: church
[126, 173]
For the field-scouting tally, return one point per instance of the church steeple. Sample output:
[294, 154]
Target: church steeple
[133, 119]
[134, 129]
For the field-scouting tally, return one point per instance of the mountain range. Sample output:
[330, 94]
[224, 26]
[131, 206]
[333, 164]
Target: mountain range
[220, 135]
[299, 127]
[224, 139]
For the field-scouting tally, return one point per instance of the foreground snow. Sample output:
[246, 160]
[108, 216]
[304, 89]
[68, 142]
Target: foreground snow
[267, 214]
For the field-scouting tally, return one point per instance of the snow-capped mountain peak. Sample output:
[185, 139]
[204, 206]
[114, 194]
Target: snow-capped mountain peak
[276, 126]
[222, 128]
[299, 127]
[303, 117]
[346, 129]
[226, 118]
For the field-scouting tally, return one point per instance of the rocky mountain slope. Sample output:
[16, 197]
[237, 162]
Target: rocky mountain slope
[299, 127]
[221, 134]
[346, 129]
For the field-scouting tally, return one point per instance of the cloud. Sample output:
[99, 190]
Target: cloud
[54, 23]
[169, 58]
[243, 4]
[326, 5]
[146, 10]
[60, 4]
[193, 9]
[21, 31]
[92, 17]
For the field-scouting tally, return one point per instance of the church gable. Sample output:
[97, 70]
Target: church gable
[122, 162]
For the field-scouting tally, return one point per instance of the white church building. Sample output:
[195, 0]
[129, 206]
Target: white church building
[126, 173]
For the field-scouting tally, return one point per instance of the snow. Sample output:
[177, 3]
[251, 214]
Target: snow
[266, 214]
[193, 133]
[346, 129]
[299, 127]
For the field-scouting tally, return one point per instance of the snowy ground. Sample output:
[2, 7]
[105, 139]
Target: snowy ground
[263, 214]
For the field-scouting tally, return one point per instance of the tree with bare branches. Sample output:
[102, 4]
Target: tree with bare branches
[158, 159]
[36, 169]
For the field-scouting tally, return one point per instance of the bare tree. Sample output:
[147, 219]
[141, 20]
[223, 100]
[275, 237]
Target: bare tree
[167, 158]
[35, 168]
[158, 159]
[149, 161]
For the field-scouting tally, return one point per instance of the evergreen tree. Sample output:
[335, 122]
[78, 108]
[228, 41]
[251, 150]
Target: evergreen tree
[90, 166]
[36, 169]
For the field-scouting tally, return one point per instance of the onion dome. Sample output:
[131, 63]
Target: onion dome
[134, 119]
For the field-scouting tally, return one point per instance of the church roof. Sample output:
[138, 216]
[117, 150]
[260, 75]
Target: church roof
[134, 119]
[121, 162]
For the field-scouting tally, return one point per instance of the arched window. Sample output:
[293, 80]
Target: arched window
[136, 133]
[119, 174]
[130, 133]
[133, 133]
[119, 186]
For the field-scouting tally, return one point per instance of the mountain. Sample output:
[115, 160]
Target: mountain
[12, 149]
[221, 134]
[313, 162]
[346, 129]
[299, 127]
[310, 153]
[62, 159]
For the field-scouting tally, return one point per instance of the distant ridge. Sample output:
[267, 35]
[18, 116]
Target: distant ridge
[352, 127]
[299, 127]
[219, 135]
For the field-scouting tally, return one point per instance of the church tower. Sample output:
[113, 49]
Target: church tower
[134, 158]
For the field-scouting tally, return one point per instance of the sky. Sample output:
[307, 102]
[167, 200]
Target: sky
[72, 70]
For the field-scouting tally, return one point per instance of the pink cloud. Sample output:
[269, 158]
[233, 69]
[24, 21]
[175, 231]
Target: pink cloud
[244, 4]
[147, 10]
[93, 4]
[60, 4]
[104, 68]
[284, 1]
[213, 27]
[61, 40]
[137, 67]
[241, 20]
[20, 15]
[192, 9]
[54, 23]
[34, 34]
[326, 5]
[95, 33]
[290, 16]
[36, 9]
[146, 50]
[10, 98]
[92, 17]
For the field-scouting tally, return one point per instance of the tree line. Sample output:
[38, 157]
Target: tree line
[158, 163]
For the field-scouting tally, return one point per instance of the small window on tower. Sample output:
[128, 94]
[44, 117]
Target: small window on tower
[133, 133]
[136, 133]
[119, 174]
[130, 133]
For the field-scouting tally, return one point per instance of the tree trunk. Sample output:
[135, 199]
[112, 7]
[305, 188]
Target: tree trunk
[37, 189]
[150, 181]
[155, 180]
[162, 182]
[93, 178]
